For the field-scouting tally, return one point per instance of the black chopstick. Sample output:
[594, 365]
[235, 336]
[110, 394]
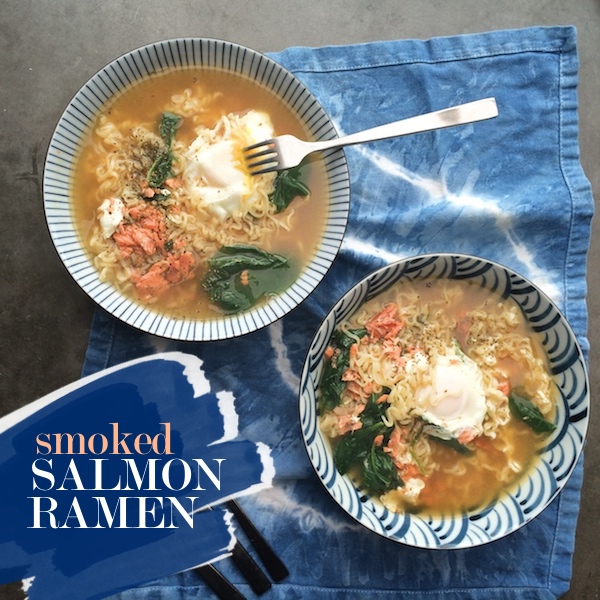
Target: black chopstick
[248, 567]
[274, 565]
[253, 574]
[221, 586]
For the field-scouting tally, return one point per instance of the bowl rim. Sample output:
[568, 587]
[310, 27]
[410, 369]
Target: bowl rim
[360, 508]
[58, 172]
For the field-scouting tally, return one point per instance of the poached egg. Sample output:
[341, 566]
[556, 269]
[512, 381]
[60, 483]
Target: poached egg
[455, 400]
[215, 175]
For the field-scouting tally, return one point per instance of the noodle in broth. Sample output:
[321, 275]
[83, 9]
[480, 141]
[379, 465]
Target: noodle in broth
[419, 391]
[155, 243]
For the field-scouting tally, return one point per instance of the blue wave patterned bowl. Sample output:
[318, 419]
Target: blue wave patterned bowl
[558, 457]
[121, 74]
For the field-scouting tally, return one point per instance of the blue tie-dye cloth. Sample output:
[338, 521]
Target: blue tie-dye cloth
[516, 195]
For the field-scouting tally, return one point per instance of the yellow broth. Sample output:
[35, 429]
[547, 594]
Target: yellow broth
[143, 104]
[465, 482]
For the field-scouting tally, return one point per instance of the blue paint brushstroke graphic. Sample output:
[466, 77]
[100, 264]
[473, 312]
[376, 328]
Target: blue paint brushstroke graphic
[124, 499]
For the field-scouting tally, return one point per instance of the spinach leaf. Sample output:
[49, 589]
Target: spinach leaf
[161, 170]
[287, 187]
[379, 474]
[354, 447]
[238, 257]
[529, 413]
[332, 386]
[229, 287]
[230, 295]
[162, 167]
[342, 340]
[374, 411]
[357, 448]
[454, 444]
[443, 436]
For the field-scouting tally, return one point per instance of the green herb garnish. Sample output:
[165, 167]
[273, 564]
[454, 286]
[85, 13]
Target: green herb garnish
[169, 124]
[162, 167]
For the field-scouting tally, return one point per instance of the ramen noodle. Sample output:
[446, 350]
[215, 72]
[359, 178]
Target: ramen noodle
[436, 395]
[167, 209]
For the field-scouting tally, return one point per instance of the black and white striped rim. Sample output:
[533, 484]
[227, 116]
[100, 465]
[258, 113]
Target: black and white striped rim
[77, 121]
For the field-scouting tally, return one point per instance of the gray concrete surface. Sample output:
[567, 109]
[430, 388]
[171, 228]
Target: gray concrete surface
[49, 48]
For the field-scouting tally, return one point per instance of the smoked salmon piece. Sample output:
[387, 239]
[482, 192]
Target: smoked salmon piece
[385, 324]
[143, 234]
[173, 269]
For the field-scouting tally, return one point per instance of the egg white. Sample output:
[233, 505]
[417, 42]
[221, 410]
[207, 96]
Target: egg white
[455, 400]
[214, 175]
[110, 215]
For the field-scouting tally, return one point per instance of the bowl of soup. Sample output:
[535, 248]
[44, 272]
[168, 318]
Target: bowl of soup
[444, 401]
[153, 211]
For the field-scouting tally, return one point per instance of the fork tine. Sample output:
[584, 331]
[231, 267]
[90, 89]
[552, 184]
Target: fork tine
[265, 161]
[258, 154]
[265, 150]
[259, 148]
[266, 165]
[258, 145]
[270, 169]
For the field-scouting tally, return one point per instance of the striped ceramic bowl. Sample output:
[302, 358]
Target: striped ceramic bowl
[75, 124]
[558, 457]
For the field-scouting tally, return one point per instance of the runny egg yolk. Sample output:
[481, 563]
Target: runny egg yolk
[456, 399]
[215, 174]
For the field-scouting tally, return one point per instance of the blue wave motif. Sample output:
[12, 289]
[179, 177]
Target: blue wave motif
[556, 460]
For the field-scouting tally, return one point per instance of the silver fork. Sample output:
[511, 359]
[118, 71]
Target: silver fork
[286, 151]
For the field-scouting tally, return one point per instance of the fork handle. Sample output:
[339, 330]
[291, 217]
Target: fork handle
[480, 110]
